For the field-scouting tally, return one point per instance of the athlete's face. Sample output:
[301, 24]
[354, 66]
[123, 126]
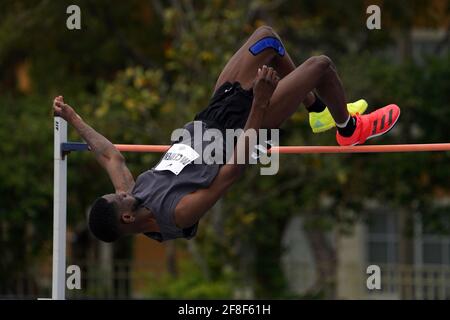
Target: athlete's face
[123, 201]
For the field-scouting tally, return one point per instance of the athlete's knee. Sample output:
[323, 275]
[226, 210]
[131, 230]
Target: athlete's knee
[321, 63]
[266, 38]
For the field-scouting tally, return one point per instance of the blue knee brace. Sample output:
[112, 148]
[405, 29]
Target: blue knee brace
[265, 43]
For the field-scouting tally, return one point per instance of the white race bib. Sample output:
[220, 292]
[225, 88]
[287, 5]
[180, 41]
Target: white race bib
[176, 158]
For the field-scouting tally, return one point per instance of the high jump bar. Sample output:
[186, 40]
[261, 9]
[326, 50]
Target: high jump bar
[388, 148]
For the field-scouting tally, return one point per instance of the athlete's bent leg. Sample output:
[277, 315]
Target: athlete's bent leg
[315, 73]
[243, 65]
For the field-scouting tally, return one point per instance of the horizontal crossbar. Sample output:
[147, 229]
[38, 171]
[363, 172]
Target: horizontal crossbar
[426, 147]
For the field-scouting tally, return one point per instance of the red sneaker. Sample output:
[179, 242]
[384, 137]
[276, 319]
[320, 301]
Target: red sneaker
[371, 125]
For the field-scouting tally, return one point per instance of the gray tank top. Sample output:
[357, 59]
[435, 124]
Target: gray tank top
[160, 191]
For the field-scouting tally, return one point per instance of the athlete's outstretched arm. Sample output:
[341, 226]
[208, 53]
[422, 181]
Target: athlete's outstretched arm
[104, 151]
[194, 205]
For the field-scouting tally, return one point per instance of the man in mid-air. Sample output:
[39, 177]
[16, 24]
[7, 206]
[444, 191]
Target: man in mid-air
[260, 87]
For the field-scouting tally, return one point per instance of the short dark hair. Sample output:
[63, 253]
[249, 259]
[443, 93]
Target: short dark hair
[104, 220]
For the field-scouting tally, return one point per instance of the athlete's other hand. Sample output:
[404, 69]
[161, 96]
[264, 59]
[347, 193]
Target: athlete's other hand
[63, 110]
[265, 84]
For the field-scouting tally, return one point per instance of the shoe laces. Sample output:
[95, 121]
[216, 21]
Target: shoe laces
[357, 115]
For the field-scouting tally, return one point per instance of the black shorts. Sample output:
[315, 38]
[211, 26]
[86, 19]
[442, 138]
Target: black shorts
[228, 108]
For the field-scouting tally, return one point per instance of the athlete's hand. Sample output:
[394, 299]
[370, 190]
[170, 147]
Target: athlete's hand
[63, 110]
[265, 84]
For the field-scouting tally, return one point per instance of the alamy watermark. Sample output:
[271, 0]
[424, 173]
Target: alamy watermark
[230, 146]
[374, 280]
[74, 279]
[73, 22]
[373, 22]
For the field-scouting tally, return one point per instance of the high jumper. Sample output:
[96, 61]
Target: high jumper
[259, 88]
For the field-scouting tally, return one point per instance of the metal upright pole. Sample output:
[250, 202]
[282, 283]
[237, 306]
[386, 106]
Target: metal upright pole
[59, 211]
